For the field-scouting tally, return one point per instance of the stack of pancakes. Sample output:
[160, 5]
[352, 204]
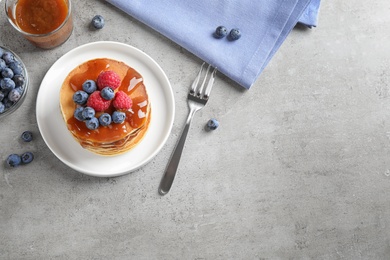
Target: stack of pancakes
[116, 138]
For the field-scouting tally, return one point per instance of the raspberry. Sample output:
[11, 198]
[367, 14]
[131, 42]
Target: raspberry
[108, 78]
[97, 102]
[122, 101]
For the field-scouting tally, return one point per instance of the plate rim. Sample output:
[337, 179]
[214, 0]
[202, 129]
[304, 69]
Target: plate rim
[167, 90]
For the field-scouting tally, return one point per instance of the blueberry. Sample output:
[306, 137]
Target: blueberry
[88, 113]
[92, 123]
[19, 80]
[2, 107]
[80, 97]
[7, 84]
[13, 160]
[220, 32]
[14, 95]
[107, 93]
[27, 136]
[2, 64]
[27, 157]
[8, 57]
[7, 73]
[2, 95]
[105, 119]
[1, 52]
[7, 103]
[98, 22]
[234, 34]
[16, 68]
[212, 124]
[78, 113]
[89, 86]
[118, 117]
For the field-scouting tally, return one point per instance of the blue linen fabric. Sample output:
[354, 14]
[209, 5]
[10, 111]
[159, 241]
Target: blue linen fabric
[264, 25]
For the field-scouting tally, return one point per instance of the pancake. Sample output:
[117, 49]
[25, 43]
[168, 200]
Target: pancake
[113, 139]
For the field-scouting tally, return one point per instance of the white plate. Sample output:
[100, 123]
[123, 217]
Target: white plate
[56, 135]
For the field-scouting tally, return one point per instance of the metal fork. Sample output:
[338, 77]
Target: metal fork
[197, 99]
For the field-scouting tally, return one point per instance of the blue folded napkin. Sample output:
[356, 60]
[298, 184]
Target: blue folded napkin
[264, 25]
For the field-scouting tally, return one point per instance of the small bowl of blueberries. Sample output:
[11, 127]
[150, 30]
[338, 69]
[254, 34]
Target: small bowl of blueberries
[13, 81]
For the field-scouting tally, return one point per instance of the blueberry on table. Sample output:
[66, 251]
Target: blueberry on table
[234, 34]
[27, 157]
[13, 160]
[98, 22]
[27, 136]
[212, 124]
[220, 32]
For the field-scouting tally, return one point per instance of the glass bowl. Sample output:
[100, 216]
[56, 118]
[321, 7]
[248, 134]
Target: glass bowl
[10, 101]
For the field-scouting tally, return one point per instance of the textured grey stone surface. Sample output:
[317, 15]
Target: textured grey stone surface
[299, 168]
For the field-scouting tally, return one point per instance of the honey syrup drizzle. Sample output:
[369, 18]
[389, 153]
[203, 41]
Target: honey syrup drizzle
[112, 132]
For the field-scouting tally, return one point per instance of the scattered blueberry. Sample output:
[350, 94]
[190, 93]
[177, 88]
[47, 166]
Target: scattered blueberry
[1, 52]
[89, 86]
[80, 97]
[98, 22]
[2, 107]
[88, 113]
[212, 124]
[27, 157]
[234, 34]
[220, 32]
[7, 84]
[118, 117]
[92, 123]
[27, 136]
[105, 119]
[78, 113]
[107, 93]
[13, 160]
[8, 57]
[7, 73]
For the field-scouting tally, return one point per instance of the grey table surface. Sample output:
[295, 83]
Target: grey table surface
[298, 169]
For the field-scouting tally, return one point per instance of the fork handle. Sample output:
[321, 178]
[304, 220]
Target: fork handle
[170, 171]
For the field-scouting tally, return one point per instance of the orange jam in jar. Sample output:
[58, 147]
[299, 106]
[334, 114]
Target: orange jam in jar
[40, 16]
[45, 23]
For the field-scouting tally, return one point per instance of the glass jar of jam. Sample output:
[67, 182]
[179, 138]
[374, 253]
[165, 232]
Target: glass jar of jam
[45, 23]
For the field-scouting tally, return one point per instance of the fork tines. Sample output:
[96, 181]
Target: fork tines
[199, 90]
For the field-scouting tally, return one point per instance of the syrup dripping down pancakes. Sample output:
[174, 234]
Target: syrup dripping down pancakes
[113, 139]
